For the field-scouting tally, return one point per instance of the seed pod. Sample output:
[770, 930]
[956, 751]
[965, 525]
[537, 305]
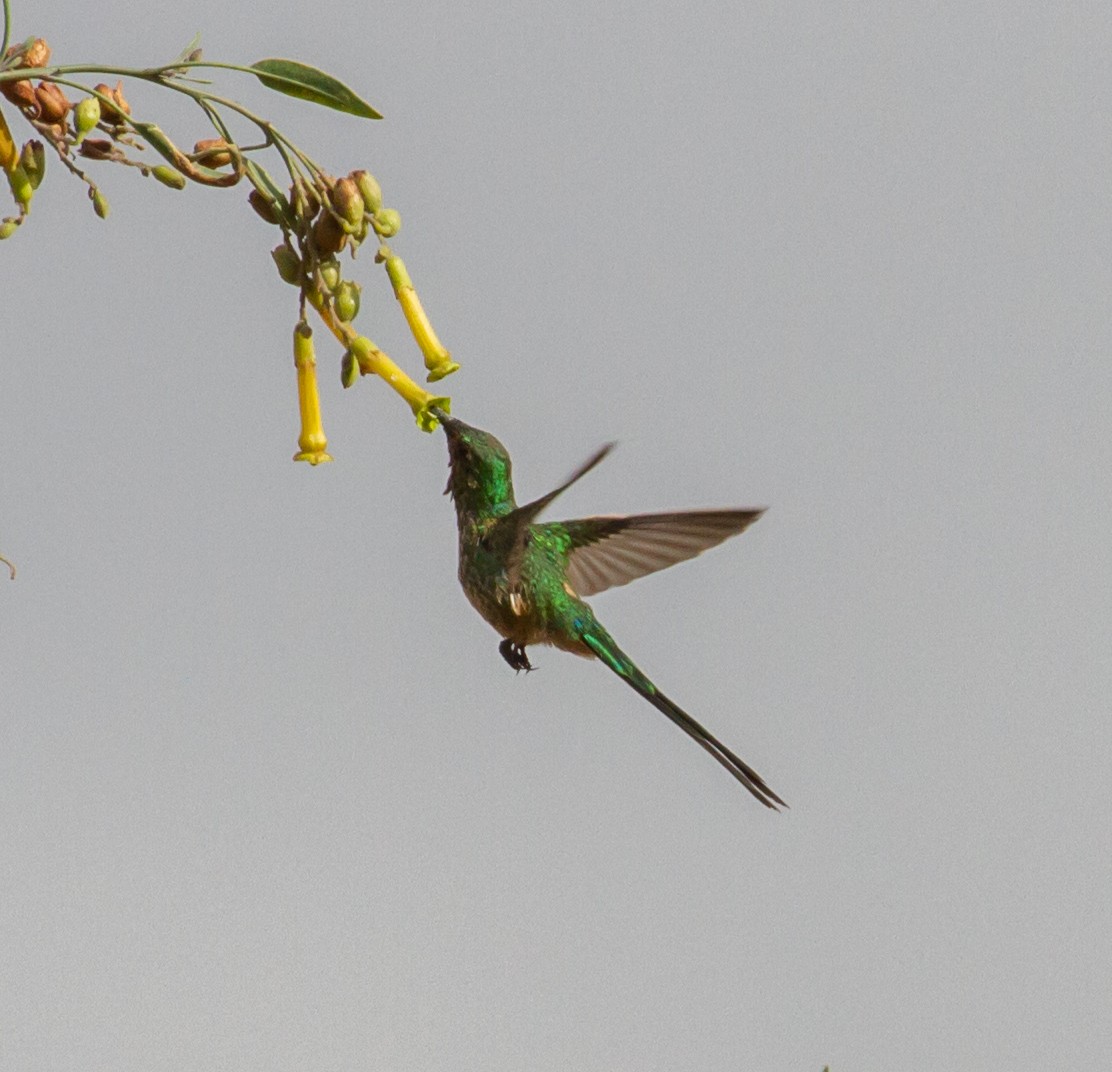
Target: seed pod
[348, 202]
[97, 149]
[346, 301]
[53, 103]
[100, 203]
[113, 114]
[21, 94]
[216, 153]
[263, 208]
[86, 116]
[36, 54]
[328, 234]
[8, 228]
[169, 176]
[330, 274]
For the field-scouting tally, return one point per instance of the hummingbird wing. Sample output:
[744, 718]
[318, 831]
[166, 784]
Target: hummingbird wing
[608, 551]
[515, 525]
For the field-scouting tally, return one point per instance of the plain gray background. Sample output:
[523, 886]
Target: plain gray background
[270, 800]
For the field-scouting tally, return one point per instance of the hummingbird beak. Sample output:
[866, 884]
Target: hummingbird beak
[445, 420]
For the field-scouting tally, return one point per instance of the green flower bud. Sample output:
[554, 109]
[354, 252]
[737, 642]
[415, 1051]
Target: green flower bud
[22, 190]
[288, 264]
[169, 176]
[33, 161]
[86, 116]
[8, 228]
[100, 203]
[349, 369]
[346, 301]
[330, 274]
[387, 222]
[369, 190]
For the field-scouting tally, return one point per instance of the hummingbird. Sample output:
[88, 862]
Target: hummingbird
[529, 579]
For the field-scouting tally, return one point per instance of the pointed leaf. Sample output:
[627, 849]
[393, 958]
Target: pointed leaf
[307, 83]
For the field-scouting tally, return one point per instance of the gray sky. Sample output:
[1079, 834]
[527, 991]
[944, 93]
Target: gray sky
[271, 801]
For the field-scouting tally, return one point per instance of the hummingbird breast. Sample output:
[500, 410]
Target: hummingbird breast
[539, 608]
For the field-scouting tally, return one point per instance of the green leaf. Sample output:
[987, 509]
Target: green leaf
[307, 83]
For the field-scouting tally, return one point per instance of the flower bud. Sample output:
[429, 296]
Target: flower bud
[100, 203]
[97, 149]
[349, 370]
[86, 116]
[346, 301]
[369, 190]
[113, 114]
[22, 190]
[21, 94]
[262, 206]
[305, 201]
[328, 234]
[288, 264]
[330, 274]
[8, 228]
[53, 103]
[33, 161]
[348, 202]
[216, 153]
[169, 176]
[387, 222]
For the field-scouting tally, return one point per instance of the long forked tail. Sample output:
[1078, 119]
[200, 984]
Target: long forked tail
[626, 669]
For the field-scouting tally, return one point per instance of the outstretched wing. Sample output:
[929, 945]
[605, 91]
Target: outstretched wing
[609, 551]
[516, 524]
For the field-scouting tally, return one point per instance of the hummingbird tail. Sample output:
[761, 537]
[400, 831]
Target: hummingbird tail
[627, 670]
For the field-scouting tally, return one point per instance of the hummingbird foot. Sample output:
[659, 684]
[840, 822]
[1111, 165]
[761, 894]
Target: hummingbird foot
[515, 655]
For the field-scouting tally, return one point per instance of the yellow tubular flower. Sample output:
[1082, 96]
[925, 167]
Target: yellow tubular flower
[312, 440]
[371, 360]
[437, 359]
[9, 154]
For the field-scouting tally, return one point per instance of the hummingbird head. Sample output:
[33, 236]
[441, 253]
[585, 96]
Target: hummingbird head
[479, 477]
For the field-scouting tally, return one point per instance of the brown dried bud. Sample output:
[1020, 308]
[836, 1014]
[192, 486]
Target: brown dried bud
[21, 94]
[307, 203]
[32, 159]
[263, 208]
[328, 234]
[212, 153]
[347, 201]
[36, 54]
[53, 103]
[97, 149]
[113, 114]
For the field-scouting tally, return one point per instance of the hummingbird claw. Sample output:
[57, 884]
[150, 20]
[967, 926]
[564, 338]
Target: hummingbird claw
[515, 655]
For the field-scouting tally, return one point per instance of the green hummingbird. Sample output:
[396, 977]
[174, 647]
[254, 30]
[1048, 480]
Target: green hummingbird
[528, 580]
